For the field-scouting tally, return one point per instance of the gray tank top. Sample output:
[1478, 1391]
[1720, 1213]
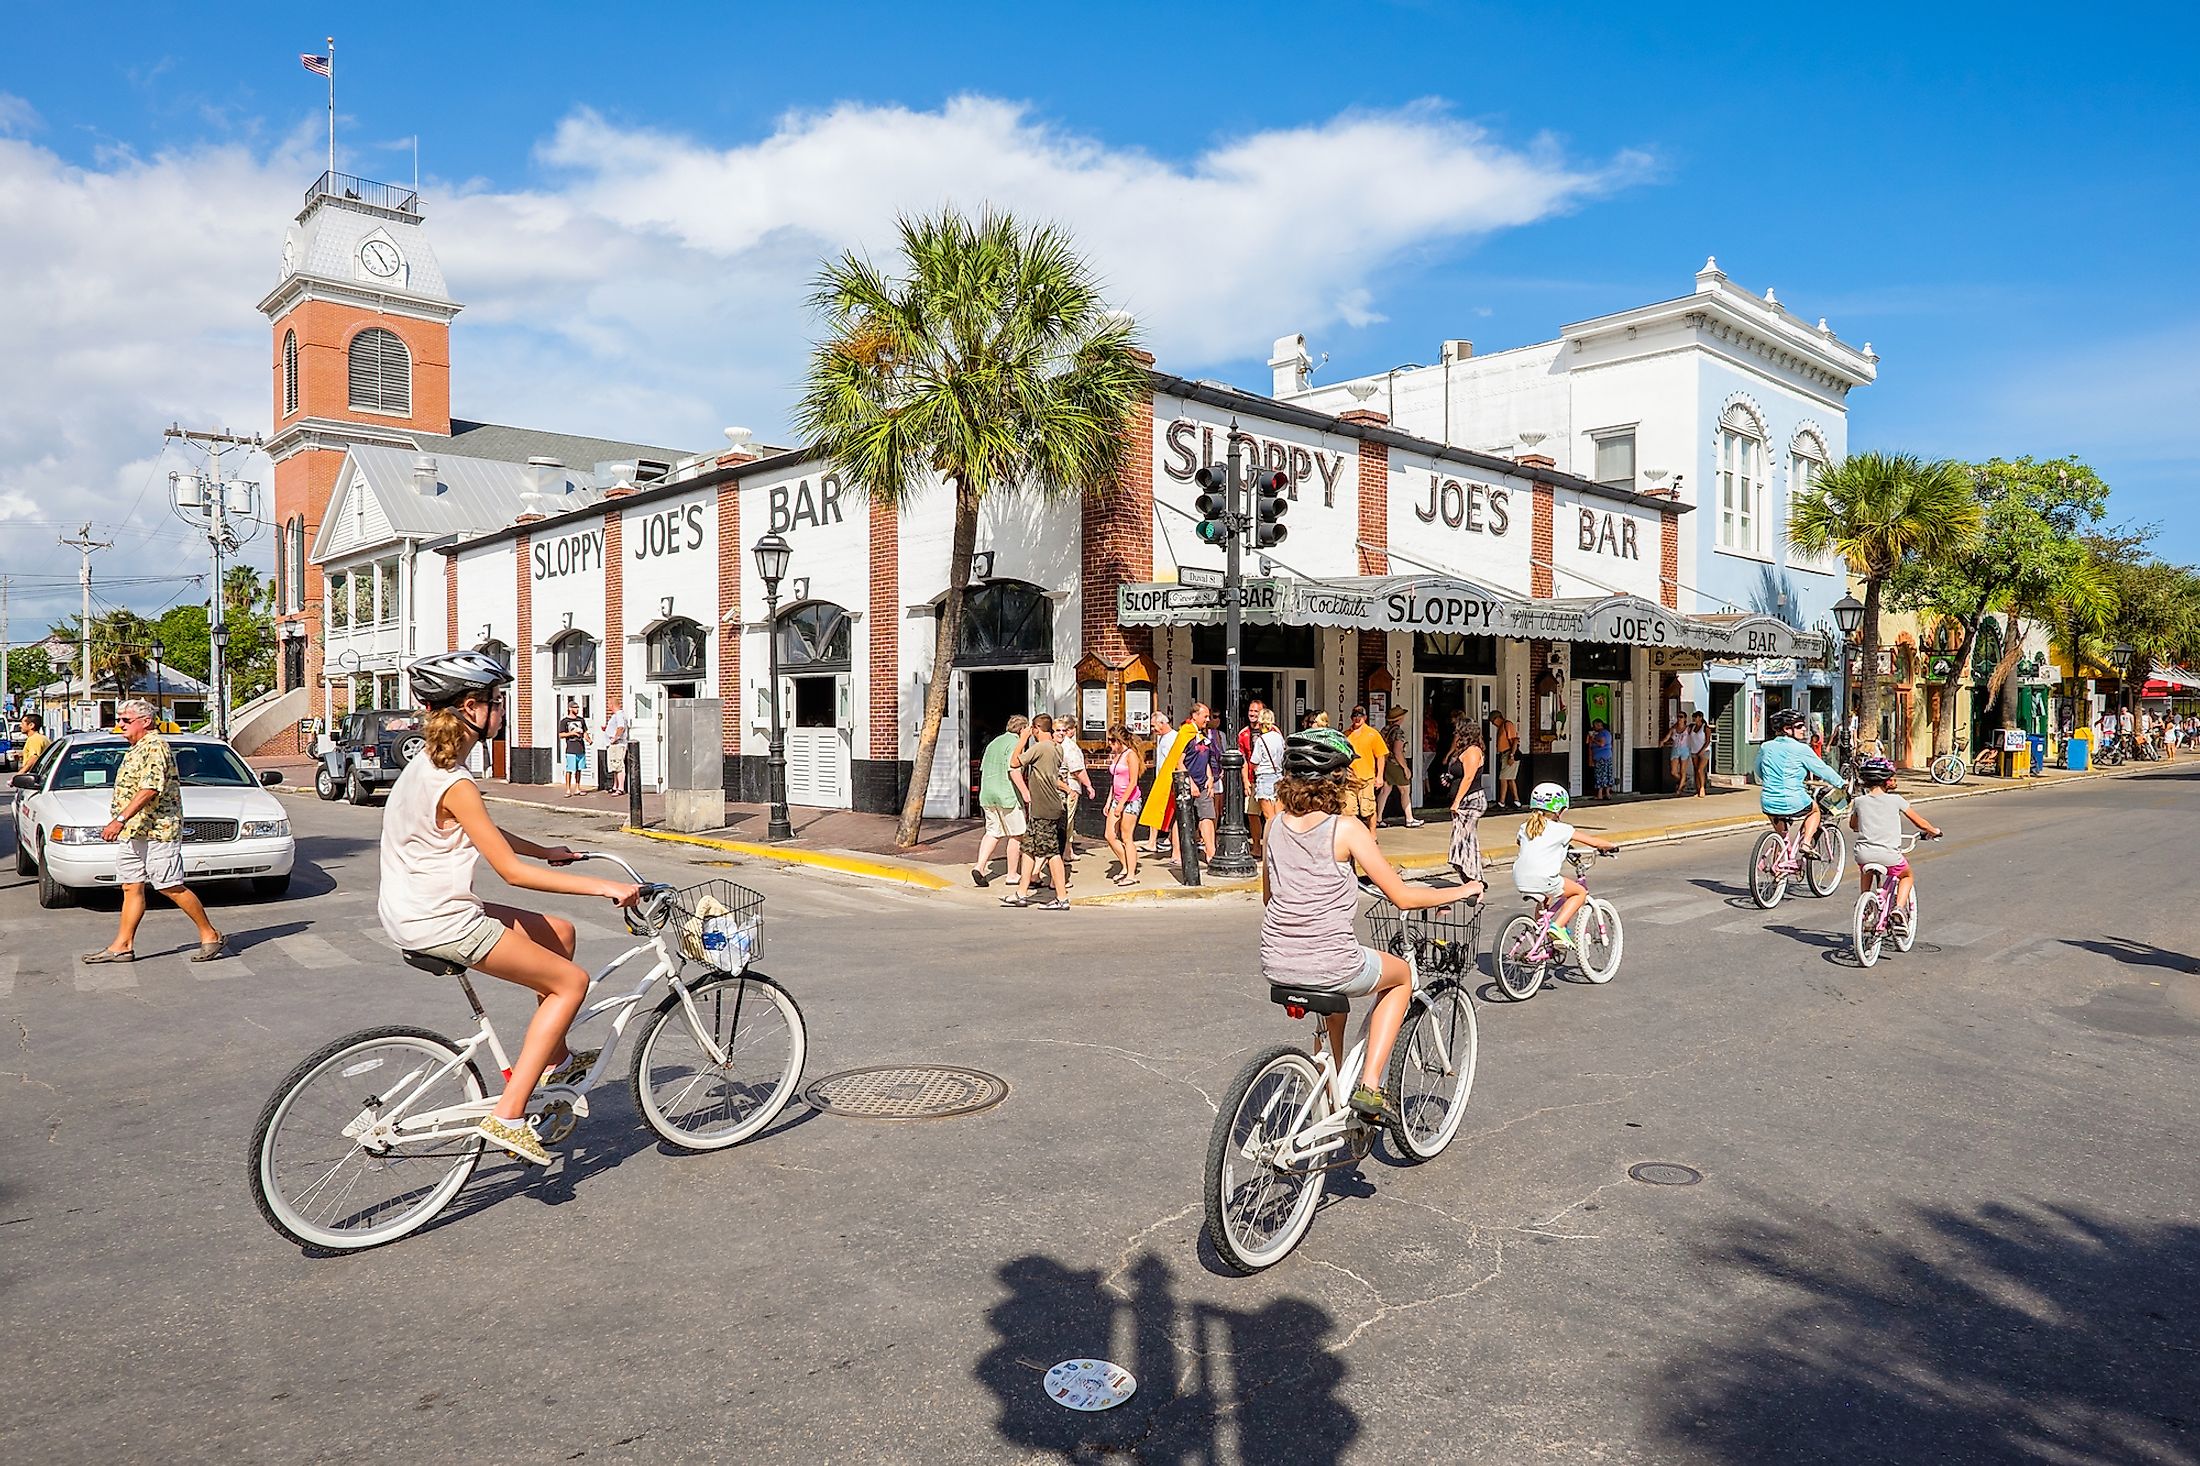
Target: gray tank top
[1306, 936]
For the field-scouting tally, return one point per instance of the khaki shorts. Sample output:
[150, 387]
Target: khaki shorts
[1363, 803]
[155, 863]
[1004, 824]
[1043, 839]
[470, 949]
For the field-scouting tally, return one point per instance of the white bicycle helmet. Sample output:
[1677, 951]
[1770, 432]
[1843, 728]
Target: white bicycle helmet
[1550, 798]
[442, 678]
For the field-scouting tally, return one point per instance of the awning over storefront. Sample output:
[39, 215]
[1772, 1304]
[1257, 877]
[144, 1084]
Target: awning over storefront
[2170, 682]
[1437, 603]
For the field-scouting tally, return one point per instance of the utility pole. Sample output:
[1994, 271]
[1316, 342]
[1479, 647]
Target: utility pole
[84, 544]
[209, 500]
[3, 642]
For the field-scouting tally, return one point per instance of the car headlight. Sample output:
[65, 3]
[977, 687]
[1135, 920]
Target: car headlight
[76, 835]
[264, 829]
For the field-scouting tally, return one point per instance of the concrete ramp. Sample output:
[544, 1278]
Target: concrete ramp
[268, 725]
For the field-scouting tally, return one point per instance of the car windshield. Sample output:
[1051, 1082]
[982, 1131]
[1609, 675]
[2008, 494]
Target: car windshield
[200, 764]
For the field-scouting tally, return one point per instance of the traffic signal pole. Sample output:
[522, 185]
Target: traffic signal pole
[1233, 839]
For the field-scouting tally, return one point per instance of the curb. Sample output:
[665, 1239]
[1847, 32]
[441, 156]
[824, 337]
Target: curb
[848, 865]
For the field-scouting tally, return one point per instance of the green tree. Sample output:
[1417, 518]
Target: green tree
[993, 364]
[1877, 510]
[2157, 614]
[248, 610]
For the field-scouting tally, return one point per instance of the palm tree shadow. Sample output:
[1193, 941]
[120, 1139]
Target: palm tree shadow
[2034, 1333]
[1214, 1383]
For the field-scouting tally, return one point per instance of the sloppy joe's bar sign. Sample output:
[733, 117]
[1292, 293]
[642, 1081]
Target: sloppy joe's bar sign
[1188, 445]
[575, 554]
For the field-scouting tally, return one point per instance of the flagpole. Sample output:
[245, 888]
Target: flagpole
[332, 111]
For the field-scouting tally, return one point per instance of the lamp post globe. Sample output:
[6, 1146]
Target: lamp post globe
[772, 554]
[1848, 614]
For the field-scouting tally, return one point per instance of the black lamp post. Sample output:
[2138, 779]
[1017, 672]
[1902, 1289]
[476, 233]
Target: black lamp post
[1848, 614]
[772, 553]
[2119, 657]
[160, 683]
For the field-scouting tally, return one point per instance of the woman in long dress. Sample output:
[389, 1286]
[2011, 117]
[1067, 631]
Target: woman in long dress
[1464, 765]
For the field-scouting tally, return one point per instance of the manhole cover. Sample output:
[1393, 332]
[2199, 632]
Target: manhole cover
[907, 1092]
[1664, 1173]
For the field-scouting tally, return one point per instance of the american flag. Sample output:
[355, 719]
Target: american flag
[318, 65]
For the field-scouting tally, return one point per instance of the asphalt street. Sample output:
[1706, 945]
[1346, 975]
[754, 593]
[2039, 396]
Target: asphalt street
[1948, 1208]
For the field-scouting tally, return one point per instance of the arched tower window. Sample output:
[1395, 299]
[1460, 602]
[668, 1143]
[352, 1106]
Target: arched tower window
[813, 637]
[381, 372]
[290, 372]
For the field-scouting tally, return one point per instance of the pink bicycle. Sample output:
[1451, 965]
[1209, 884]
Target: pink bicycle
[1876, 914]
[1526, 955]
[1778, 856]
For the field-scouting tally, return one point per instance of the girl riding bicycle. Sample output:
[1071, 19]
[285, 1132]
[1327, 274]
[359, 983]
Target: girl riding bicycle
[1309, 900]
[1539, 865]
[434, 829]
[1877, 818]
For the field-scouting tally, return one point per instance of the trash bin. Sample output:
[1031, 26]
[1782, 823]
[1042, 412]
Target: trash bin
[2077, 753]
[2038, 741]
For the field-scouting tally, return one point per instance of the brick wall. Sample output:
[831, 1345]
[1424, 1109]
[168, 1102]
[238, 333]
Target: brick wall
[1374, 496]
[1541, 582]
[1669, 559]
[614, 609]
[325, 329]
[1117, 533]
[885, 619]
[304, 483]
[1374, 653]
[729, 632]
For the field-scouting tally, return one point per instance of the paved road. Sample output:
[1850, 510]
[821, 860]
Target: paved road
[1948, 1210]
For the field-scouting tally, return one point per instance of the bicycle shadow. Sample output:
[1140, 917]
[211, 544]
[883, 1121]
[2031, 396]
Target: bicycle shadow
[1833, 947]
[1214, 1383]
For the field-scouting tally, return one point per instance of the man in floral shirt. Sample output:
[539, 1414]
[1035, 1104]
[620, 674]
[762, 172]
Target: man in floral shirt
[147, 806]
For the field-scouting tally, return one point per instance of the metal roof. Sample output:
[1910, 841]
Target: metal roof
[517, 445]
[472, 495]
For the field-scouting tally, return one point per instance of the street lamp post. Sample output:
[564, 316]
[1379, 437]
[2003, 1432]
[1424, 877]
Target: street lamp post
[1848, 615]
[160, 684]
[772, 553]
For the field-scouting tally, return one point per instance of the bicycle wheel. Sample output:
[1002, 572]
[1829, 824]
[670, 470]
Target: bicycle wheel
[1828, 857]
[1598, 939]
[1256, 1210]
[1766, 884]
[1518, 978]
[1432, 1071]
[1905, 935]
[1865, 934]
[322, 1188]
[1949, 768]
[699, 1104]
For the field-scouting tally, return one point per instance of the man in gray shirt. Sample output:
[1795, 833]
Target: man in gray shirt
[1036, 766]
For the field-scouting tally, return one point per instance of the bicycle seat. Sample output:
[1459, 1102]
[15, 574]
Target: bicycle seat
[440, 966]
[1312, 1002]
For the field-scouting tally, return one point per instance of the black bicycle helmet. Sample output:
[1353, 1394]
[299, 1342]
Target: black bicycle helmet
[1316, 752]
[1787, 720]
[1874, 771]
[442, 678]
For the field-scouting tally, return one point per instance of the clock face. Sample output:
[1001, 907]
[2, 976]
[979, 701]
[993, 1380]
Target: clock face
[380, 257]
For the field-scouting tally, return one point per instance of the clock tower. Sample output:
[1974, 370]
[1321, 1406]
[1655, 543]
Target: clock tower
[361, 338]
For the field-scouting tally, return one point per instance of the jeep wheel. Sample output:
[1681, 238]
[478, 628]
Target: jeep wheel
[324, 783]
[355, 789]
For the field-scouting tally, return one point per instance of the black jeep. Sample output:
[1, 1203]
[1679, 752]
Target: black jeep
[367, 753]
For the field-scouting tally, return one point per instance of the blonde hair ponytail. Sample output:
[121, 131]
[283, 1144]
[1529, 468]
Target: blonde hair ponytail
[447, 737]
[1536, 823]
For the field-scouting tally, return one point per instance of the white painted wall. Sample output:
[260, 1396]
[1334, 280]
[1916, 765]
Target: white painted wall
[1599, 546]
[1323, 522]
[669, 568]
[828, 530]
[1480, 526]
[566, 568]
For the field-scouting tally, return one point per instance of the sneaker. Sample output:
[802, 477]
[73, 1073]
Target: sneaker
[1059, 903]
[518, 1137]
[1415, 824]
[1373, 1104]
[571, 1072]
[1562, 939]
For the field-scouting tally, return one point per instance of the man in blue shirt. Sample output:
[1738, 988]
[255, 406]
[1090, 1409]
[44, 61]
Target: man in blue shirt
[1199, 769]
[1782, 766]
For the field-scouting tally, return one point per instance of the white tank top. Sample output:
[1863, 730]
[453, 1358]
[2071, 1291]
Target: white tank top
[427, 873]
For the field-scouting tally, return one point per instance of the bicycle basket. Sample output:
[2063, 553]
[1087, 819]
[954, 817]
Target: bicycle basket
[1443, 937]
[720, 924]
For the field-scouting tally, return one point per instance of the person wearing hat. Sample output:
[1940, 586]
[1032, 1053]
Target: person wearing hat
[1395, 777]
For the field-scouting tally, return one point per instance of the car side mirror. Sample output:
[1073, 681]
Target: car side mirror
[26, 782]
[271, 777]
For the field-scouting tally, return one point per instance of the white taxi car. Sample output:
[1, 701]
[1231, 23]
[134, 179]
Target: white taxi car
[233, 829]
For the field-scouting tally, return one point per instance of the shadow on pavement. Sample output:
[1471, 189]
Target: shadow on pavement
[1214, 1383]
[1833, 946]
[2136, 954]
[2002, 1334]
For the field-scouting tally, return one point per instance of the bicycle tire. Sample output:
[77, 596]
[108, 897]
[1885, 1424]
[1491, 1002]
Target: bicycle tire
[1297, 1196]
[283, 1212]
[1446, 1012]
[1949, 768]
[1766, 885]
[1599, 940]
[1517, 978]
[1906, 936]
[1821, 874]
[1864, 933]
[762, 1100]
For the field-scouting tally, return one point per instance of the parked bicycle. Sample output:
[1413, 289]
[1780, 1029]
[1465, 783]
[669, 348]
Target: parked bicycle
[1877, 917]
[374, 1135]
[1778, 856]
[1527, 956]
[1949, 768]
[1285, 1122]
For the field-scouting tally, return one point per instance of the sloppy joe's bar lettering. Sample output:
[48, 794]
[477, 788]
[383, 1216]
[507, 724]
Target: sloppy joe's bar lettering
[1193, 445]
[1475, 508]
[573, 555]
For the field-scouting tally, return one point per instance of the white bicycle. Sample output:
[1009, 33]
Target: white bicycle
[1286, 1121]
[373, 1136]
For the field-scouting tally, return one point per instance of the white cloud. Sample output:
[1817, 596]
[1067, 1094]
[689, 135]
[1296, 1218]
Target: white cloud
[653, 286]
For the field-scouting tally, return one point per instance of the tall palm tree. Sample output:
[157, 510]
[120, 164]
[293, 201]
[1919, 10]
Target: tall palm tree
[1877, 510]
[992, 364]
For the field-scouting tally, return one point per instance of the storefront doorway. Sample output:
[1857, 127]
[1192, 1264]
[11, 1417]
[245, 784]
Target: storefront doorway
[814, 703]
[992, 697]
[1443, 699]
[1275, 667]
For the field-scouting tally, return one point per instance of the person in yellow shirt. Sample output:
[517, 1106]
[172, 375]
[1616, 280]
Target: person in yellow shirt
[1368, 750]
[34, 741]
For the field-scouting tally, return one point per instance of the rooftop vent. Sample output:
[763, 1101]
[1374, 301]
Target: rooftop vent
[1458, 349]
[545, 476]
[425, 481]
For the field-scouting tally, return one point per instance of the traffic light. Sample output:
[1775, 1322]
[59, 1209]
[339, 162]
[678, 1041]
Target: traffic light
[1213, 503]
[1270, 504]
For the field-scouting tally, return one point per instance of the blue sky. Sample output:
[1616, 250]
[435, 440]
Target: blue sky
[2000, 200]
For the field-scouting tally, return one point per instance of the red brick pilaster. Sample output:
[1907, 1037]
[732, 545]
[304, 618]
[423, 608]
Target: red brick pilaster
[729, 631]
[614, 608]
[1374, 496]
[885, 619]
[1117, 545]
[1669, 559]
[1541, 582]
[521, 731]
[450, 599]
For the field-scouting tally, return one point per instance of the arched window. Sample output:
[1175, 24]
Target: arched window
[1741, 479]
[1006, 623]
[573, 659]
[497, 652]
[676, 651]
[297, 533]
[290, 372]
[813, 637]
[1807, 460]
[381, 372]
[282, 570]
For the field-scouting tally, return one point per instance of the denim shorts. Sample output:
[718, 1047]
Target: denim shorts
[470, 949]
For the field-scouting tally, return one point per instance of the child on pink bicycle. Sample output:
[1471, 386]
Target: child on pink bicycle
[1539, 866]
[1877, 818]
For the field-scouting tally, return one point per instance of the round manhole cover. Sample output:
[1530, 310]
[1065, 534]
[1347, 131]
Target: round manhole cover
[1664, 1173]
[907, 1092]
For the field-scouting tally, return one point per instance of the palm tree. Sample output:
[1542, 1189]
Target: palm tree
[992, 364]
[1878, 510]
